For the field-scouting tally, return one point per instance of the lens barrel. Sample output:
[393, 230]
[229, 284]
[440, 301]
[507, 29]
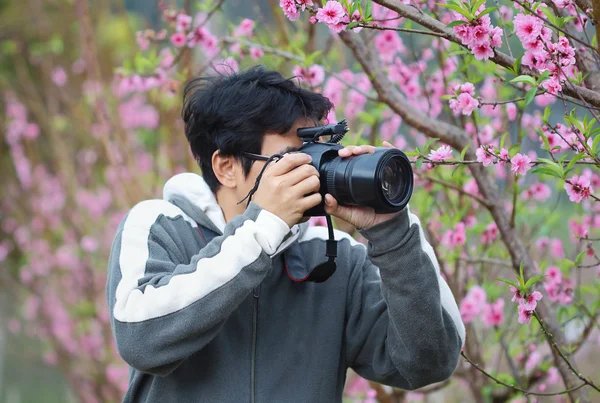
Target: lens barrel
[382, 180]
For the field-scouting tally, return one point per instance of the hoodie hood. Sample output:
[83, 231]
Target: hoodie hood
[191, 193]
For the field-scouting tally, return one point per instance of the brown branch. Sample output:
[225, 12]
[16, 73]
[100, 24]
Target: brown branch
[499, 58]
[458, 139]
[453, 186]
[407, 30]
[527, 392]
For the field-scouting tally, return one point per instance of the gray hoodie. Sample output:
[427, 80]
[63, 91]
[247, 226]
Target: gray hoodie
[201, 320]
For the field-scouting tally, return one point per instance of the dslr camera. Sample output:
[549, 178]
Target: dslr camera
[382, 180]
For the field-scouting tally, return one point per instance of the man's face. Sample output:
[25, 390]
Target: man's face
[273, 143]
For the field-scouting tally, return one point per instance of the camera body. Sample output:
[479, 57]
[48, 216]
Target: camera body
[382, 180]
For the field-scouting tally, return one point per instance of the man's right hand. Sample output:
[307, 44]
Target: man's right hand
[289, 187]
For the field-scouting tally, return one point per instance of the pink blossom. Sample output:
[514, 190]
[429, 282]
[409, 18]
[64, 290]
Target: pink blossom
[469, 309]
[553, 376]
[520, 164]
[477, 294]
[332, 13]
[511, 111]
[496, 41]
[578, 188]
[59, 76]
[31, 131]
[490, 234]
[517, 297]
[289, 9]
[534, 359]
[227, 66]
[503, 157]
[183, 22]
[553, 274]
[552, 85]
[305, 3]
[493, 314]
[556, 248]
[388, 43]
[530, 301]
[527, 27]
[441, 154]
[524, 315]
[244, 29]
[313, 75]
[178, 39]
[483, 51]
[469, 88]
[484, 157]
[464, 104]
[256, 53]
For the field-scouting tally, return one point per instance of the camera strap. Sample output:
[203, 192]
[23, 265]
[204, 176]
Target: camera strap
[321, 272]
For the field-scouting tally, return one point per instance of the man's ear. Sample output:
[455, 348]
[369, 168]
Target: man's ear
[224, 169]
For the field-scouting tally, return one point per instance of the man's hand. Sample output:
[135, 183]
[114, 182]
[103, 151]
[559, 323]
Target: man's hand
[284, 186]
[360, 217]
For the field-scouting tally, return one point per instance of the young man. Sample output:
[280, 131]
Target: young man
[217, 319]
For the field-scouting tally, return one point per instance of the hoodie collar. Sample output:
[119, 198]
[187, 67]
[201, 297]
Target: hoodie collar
[192, 194]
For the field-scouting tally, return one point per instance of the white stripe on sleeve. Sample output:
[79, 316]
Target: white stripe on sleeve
[237, 251]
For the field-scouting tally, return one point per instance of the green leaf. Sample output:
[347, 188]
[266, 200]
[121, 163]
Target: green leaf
[546, 171]
[533, 280]
[521, 278]
[595, 143]
[549, 14]
[546, 114]
[502, 140]
[476, 5]
[579, 258]
[368, 8]
[464, 151]
[456, 23]
[514, 149]
[459, 10]
[524, 79]
[546, 142]
[487, 11]
[517, 65]
[573, 161]
[366, 117]
[530, 95]
[419, 163]
[507, 281]
[411, 153]
[429, 142]
[311, 58]
[543, 76]
[353, 24]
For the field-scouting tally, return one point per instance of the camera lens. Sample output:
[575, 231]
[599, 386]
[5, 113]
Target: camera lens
[391, 180]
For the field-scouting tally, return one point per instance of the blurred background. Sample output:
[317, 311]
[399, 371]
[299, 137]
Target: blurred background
[83, 139]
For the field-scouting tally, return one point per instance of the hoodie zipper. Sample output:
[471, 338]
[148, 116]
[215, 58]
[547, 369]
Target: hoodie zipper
[256, 294]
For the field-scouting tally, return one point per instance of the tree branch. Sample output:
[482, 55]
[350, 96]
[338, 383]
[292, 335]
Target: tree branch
[458, 139]
[499, 58]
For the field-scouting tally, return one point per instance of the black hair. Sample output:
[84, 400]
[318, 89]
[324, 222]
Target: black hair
[232, 113]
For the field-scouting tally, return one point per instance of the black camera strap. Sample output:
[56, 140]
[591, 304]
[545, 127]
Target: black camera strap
[321, 272]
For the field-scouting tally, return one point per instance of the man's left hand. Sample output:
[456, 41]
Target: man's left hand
[360, 217]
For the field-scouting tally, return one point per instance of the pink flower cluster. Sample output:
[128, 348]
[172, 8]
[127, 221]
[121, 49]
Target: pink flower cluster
[479, 35]
[559, 289]
[488, 155]
[313, 75]
[542, 54]
[465, 102]
[578, 188]
[490, 233]
[554, 246]
[290, 7]
[520, 164]
[474, 304]
[441, 154]
[192, 33]
[527, 303]
[538, 191]
[455, 237]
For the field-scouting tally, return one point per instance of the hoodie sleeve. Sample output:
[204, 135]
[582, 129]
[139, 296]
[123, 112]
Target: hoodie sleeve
[404, 328]
[164, 306]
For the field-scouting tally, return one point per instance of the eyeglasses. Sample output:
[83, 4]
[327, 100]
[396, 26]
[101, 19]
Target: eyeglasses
[256, 157]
